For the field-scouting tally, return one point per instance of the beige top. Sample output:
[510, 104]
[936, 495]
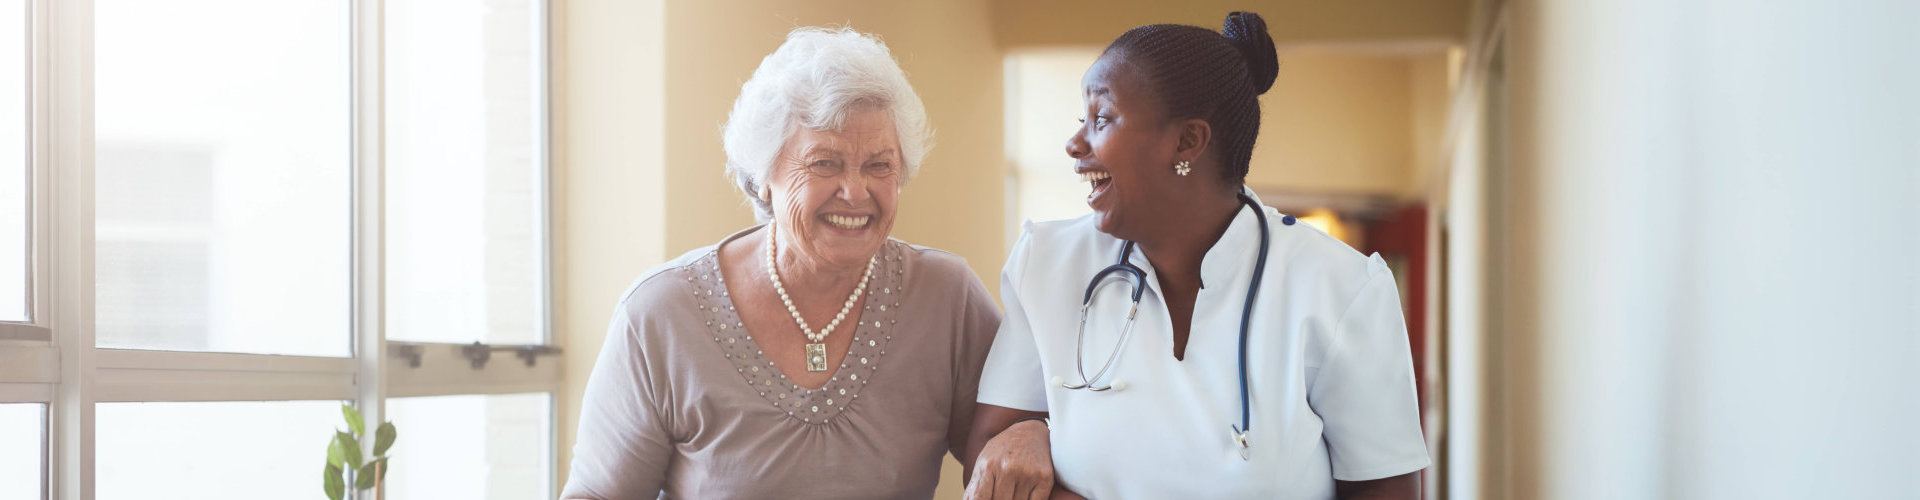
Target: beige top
[682, 404]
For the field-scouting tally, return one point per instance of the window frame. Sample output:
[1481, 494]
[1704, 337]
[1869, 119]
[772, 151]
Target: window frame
[53, 359]
[29, 361]
[34, 329]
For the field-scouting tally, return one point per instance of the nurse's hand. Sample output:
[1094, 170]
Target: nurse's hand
[1017, 464]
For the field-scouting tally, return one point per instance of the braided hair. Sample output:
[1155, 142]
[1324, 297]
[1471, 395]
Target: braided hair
[1195, 72]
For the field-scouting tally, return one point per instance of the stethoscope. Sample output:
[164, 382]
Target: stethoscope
[1137, 278]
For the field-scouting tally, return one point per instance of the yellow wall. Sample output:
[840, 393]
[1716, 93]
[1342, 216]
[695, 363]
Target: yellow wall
[1336, 122]
[1430, 87]
[609, 176]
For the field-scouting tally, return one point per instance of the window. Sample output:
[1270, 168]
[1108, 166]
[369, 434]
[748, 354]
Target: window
[211, 451]
[1040, 187]
[259, 211]
[22, 450]
[221, 176]
[465, 151]
[14, 163]
[448, 453]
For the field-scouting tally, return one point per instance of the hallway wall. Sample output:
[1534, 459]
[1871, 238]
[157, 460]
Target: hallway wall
[1713, 284]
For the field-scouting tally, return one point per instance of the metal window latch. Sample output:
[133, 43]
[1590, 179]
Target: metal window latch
[478, 353]
[410, 351]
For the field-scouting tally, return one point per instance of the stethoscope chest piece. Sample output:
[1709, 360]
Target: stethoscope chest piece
[1116, 386]
[1240, 438]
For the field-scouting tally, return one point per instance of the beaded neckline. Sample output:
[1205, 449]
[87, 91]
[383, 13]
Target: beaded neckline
[879, 313]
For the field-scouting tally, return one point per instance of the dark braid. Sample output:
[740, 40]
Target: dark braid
[1218, 77]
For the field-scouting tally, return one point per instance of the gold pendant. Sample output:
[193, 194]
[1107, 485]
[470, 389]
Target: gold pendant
[816, 357]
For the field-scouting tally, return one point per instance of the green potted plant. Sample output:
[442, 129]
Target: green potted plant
[346, 465]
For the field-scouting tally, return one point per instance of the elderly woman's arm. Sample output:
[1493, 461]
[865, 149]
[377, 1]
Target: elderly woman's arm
[623, 446]
[1007, 458]
[980, 319]
[1010, 457]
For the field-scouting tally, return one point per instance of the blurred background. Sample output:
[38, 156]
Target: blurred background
[1647, 249]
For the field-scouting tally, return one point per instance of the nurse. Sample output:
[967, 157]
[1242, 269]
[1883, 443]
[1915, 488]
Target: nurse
[1311, 397]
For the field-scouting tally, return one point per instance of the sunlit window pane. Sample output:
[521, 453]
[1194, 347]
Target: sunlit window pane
[464, 167]
[23, 430]
[476, 447]
[1039, 120]
[222, 189]
[13, 160]
[213, 451]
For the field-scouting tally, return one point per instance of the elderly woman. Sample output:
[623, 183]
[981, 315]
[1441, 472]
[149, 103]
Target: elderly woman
[812, 356]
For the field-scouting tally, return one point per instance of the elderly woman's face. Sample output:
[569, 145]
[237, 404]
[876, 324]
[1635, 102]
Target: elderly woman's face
[834, 193]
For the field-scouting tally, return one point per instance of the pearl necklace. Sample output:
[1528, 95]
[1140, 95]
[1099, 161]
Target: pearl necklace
[816, 346]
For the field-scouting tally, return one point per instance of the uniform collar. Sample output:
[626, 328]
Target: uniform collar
[1231, 255]
[1234, 252]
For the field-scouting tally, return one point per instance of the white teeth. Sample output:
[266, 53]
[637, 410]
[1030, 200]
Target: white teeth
[847, 222]
[1093, 176]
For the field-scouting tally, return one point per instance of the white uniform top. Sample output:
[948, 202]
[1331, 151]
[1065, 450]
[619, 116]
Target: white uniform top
[1330, 376]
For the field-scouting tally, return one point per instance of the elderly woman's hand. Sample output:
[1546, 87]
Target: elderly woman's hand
[1016, 464]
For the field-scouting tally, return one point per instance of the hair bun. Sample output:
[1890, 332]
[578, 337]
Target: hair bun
[1248, 32]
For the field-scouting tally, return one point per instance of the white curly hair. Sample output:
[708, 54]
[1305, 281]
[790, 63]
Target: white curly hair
[814, 80]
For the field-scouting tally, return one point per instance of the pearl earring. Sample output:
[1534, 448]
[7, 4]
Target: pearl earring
[1182, 168]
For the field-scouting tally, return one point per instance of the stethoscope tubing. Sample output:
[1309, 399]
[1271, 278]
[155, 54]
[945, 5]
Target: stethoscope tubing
[1139, 278]
[1246, 317]
[1079, 343]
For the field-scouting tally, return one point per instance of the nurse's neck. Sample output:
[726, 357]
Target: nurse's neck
[1176, 241]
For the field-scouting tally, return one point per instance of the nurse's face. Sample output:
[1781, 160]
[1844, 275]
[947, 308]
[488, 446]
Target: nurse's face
[834, 192]
[1125, 149]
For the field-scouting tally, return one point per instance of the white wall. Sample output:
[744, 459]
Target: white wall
[1714, 285]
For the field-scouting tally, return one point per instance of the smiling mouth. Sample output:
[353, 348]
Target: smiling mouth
[847, 222]
[1098, 180]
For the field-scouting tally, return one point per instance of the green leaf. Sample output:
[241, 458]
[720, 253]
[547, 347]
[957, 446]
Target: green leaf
[336, 455]
[349, 447]
[383, 438]
[364, 479]
[336, 487]
[383, 468]
[355, 422]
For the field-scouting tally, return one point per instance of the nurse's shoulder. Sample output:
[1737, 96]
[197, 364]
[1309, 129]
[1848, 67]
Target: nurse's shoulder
[1053, 242]
[1313, 258]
